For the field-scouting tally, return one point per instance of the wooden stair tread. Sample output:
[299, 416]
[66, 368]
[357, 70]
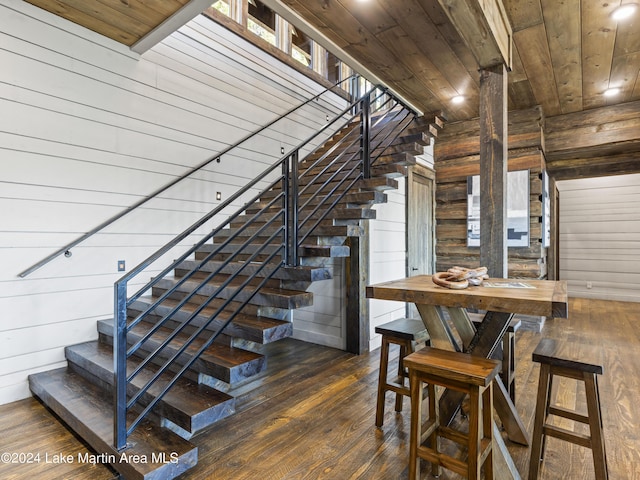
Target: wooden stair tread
[391, 170]
[312, 274]
[247, 327]
[378, 183]
[189, 405]
[356, 212]
[229, 364]
[348, 200]
[322, 230]
[88, 411]
[269, 296]
[303, 250]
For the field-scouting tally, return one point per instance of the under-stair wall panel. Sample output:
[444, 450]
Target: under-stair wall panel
[89, 128]
[388, 256]
[324, 322]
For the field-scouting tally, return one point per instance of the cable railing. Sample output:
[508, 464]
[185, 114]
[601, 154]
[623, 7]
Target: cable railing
[275, 213]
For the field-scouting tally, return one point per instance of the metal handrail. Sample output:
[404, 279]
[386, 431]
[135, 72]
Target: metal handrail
[66, 250]
[285, 229]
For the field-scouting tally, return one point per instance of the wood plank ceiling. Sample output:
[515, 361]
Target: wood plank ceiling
[566, 53]
[125, 21]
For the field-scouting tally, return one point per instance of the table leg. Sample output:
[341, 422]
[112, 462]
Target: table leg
[482, 342]
[439, 334]
[506, 410]
[503, 466]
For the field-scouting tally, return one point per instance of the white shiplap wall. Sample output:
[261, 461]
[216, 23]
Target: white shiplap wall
[600, 237]
[86, 129]
[389, 251]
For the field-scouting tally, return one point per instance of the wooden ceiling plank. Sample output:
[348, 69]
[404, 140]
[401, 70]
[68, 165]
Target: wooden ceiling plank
[485, 28]
[636, 91]
[563, 27]
[624, 75]
[520, 95]
[87, 20]
[165, 7]
[598, 40]
[447, 31]
[137, 11]
[360, 43]
[523, 13]
[325, 16]
[109, 16]
[435, 84]
[430, 43]
[370, 15]
[539, 67]
[627, 36]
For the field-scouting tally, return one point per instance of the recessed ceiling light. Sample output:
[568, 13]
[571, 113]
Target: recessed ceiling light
[611, 92]
[457, 100]
[624, 11]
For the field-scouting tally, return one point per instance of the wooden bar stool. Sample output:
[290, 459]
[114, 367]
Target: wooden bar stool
[408, 333]
[563, 359]
[465, 373]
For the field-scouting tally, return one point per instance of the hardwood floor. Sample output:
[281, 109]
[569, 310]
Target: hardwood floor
[313, 416]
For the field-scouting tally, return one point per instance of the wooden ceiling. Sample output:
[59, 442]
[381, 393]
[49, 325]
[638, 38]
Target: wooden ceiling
[565, 54]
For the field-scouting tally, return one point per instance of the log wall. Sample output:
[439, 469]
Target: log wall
[457, 156]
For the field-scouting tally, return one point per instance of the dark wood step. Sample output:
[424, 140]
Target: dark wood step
[269, 296]
[341, 213]
[324, 229]
[420, 138]
[325, 251]
[378, 183]
[311, 274]
[228, 364]
[253, 328]
[189, 405]
[84, 407]
[390, 171]
[403, 158]
[328, 251]
[350, 199]
[429, 125]
[336, 160]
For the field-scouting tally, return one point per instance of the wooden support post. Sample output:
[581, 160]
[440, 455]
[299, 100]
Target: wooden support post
[357, 278]
[493, 170]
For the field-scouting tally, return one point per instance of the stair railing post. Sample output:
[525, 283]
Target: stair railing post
[293, 217]
[120, 367]
[365, 137]
[285, 209]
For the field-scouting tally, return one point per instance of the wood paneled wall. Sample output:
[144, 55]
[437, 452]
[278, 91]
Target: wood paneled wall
[87, 128]
[457, 156]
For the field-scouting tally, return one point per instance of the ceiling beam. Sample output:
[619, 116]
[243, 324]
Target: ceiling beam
[484, 27]
[621, 164]
[188, 12]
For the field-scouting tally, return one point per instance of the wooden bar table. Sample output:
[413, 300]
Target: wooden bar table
[501, 299]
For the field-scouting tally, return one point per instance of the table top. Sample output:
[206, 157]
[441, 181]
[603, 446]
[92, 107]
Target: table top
[527, 297]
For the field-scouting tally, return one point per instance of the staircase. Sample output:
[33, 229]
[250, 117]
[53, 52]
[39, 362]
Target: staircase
[193, 334]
